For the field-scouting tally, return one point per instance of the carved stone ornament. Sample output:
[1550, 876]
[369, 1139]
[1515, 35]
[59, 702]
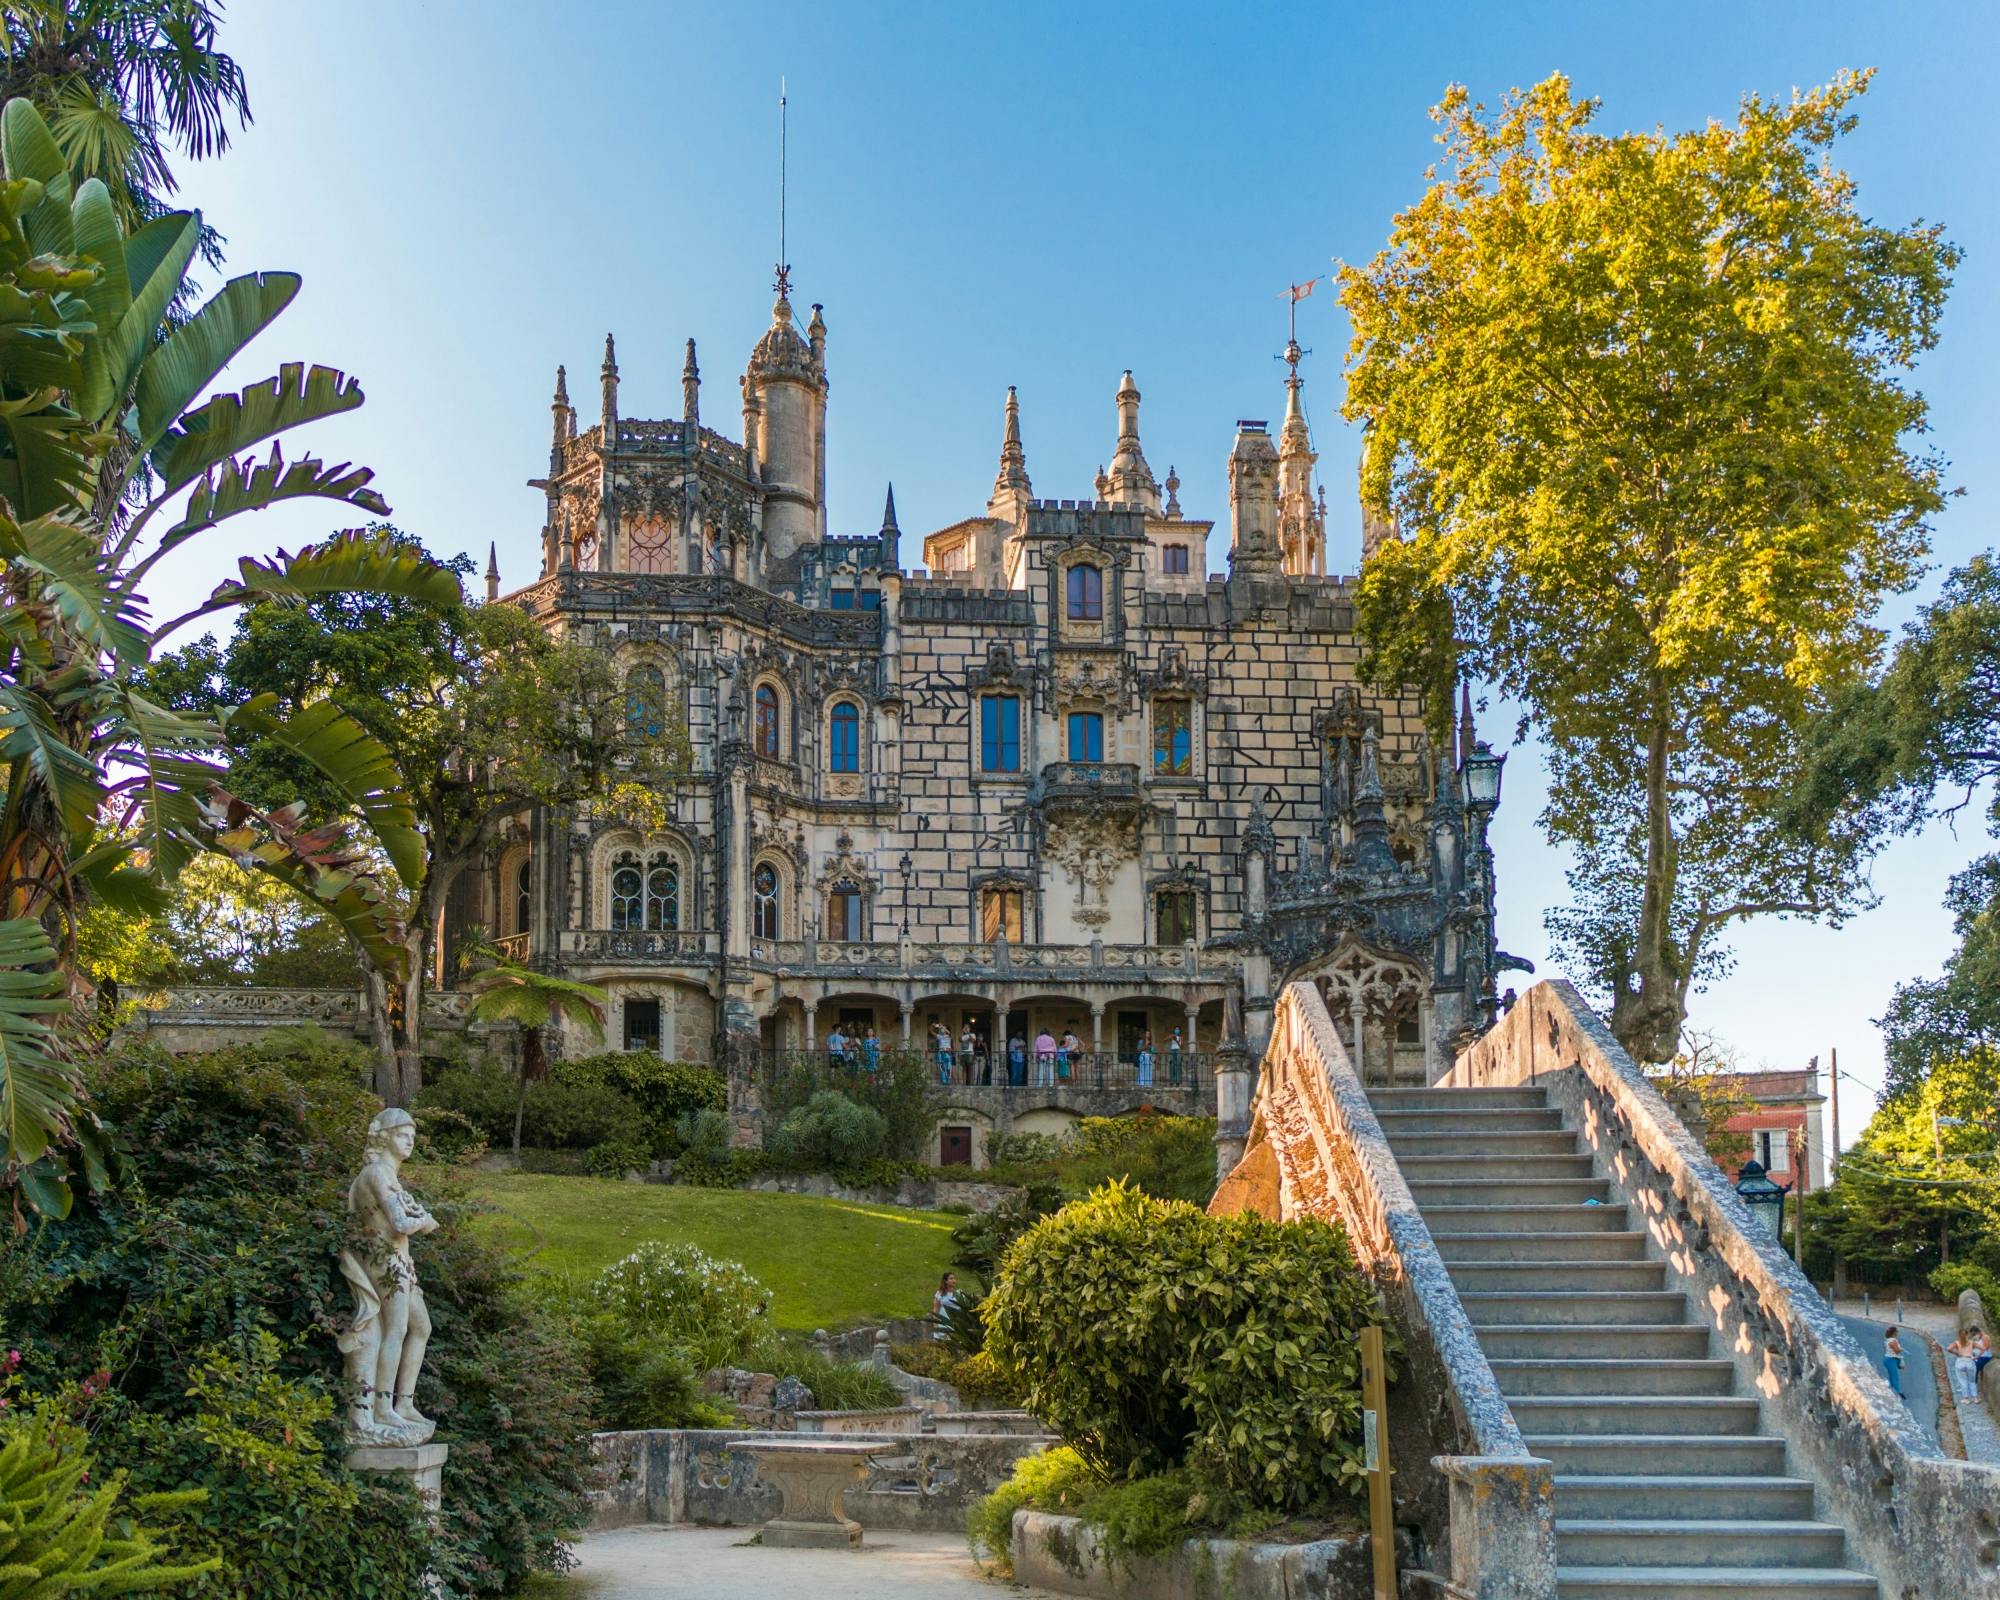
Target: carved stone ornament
[385, 1340]
[1001, 671]
[846, 866]
[1093, 677]
[1091, 846]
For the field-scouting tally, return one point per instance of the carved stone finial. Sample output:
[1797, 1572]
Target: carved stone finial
[691, 391]
[1173, 492]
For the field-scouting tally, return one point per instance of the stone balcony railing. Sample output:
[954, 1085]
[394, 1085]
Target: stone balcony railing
[1061, 781]
[331, 1008]
[998, 958]
[692, 947]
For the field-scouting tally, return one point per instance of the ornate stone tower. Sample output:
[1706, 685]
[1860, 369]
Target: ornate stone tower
[1301, 524]
[1130, 481]
[786, 382]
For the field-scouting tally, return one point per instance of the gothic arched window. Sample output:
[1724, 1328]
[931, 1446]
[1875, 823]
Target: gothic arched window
[764, 903]
[523, 893]
[769, 736]
[645, 704]
[650, 546]
[646, 895]
[844, 746]
[1086, 593]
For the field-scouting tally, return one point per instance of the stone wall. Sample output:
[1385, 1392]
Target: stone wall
[676, 1475]
[1926, 1525]
[1060, 1553]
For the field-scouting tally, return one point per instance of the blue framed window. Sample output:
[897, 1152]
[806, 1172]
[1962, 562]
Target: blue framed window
[1086, 736]
[846, 744]
[842, 599]
[1086, 594]
[1173, 738]
[646, 705]
[1000, 733]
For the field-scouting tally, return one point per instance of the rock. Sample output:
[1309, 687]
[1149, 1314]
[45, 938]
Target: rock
[792, 1395]
[762, 1386]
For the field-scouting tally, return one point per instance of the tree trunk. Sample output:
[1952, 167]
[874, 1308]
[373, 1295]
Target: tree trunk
[1647, 1018]
[381, 1034]
[533, 1069]
[395, 1028]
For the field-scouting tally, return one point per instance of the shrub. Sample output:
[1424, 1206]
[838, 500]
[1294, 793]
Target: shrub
[1152, 1336]
[485, 1096]
[1023, 1149]
[836, 1385]
[898, 1091]
[578, 1116]
[1171, 1158]
[831, 1131]
[1953, 1278]
[704, 1135]
[204, 1289]
[644, 1380]
[64, 1530]
[449, 1136]
[675, 1292]
[616, 1157]
[1054, 1480]
[664, 1091]
[982, 1239]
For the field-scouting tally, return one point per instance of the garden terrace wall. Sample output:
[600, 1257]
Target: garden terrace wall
[1484, 1512]
[1926, 1525]
[690, 1475]
[1060, 1553]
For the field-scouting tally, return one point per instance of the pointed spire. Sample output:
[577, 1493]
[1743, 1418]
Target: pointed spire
[562, 386]
[608, 382]
[1465, 729]
[1173, 492]
[493, 571]
[1011, 489]
[559, 412]
[1131, 481]
[889, 527]
[1103, 483]
[691, 391]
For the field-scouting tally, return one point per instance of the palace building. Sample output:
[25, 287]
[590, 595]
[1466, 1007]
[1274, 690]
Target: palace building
[1047, 773]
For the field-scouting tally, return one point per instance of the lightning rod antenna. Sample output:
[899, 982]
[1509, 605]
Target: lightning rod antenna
[784, 268]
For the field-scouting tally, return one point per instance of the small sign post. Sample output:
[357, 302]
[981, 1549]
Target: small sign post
[1375, 1457]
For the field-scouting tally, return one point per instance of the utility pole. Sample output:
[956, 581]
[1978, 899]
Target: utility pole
[1802, 1170]
[1833, 1155]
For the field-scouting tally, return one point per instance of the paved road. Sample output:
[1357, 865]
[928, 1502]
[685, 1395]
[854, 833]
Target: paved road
[685, 1563]
[1919, 1384]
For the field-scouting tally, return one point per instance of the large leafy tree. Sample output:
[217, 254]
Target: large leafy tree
[432, 726]
[110, 459]
[1639, 407]
[1925, 738]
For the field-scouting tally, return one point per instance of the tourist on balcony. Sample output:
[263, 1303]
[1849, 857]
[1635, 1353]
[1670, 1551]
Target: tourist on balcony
[968, 1053]
[1145, 1061]
[871, 1051]
[1174, 1056]
[1066, 1052]
[941, 1051]
[1017, 1061]
[836, 1048]
[1045, 1059]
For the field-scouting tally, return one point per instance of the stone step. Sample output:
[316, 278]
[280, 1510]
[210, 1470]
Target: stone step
[1526, 1277]
[1654, 1542]
[1610, 1455]
[1713, 1583]
[1458, 1099]
[1720, 1416]
[1571, 1376]
[1525, 1219]
[1482, 1307]
[1474, 1124]
[1494, 1168]
[1670, 1341]
[1497, 1143]
[1605, 1245]
[1691, 1496]
[1429, 1192]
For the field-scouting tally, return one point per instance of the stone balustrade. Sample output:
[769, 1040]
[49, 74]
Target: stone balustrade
[1923, 1523]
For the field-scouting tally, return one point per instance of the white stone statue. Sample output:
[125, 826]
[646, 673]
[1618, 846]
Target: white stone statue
[385, 1346]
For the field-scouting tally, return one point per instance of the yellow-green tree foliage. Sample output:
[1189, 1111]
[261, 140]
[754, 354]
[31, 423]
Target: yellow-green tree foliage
[1639, 407]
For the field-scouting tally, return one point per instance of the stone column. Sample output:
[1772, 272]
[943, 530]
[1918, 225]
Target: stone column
[906, 1008]
[1232, 1105]
[812, 1025]
[1097, 1027]
[1256, 1002]
[739, 860]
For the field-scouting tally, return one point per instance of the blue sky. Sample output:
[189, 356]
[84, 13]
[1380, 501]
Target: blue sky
[1039, 195]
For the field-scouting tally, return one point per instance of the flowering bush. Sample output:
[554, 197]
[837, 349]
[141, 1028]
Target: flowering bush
[685, 1296]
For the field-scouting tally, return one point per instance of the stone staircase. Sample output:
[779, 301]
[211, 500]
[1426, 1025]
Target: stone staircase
[1665, 1487]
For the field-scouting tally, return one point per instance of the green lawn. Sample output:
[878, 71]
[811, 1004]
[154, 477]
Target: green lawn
[828, 1263]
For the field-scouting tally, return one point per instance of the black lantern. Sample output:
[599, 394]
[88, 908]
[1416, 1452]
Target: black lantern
[1765, 1199]
[1482, 777]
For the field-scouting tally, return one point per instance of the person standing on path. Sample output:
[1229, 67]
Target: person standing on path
[1892, 1359]
[942, 1304]
[1964, 1353]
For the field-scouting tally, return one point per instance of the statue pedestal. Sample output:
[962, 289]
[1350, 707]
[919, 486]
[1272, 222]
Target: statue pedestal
[422, 1464]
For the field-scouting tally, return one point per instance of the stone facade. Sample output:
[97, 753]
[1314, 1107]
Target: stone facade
[1061, 777]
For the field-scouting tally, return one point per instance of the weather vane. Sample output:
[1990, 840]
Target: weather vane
[784, 272]
[1294, 294]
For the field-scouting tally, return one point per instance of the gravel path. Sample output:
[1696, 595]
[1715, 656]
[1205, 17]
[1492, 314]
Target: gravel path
[639, 1563]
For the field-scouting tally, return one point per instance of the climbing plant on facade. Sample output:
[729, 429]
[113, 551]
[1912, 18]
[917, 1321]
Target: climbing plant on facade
[1640, 409]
